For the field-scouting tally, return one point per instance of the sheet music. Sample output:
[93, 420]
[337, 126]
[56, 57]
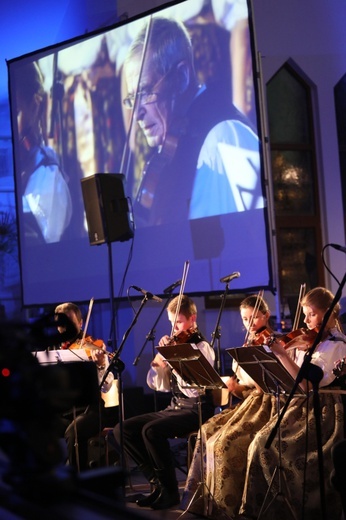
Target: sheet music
[49, 357]
[264, 368]
[192, 366]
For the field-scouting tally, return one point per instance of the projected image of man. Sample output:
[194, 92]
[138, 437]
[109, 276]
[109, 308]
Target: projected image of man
[205, 155]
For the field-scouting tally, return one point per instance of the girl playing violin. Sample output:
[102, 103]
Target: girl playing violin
[91, 421]
[227, 435]
[298, 428]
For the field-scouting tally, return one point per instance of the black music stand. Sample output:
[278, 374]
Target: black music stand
[193, 367]
[272, 377]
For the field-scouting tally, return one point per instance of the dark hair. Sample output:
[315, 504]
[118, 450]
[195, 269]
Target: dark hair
[68, 306]
[30, 82]
[255, 301]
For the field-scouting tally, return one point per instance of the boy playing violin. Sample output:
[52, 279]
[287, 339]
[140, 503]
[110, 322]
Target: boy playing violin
[146, 437]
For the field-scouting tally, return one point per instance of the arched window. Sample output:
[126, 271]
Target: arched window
[340, 110]
[295, 186]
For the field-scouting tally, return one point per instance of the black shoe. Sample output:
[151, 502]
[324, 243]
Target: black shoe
[150, 499]
[166, 499]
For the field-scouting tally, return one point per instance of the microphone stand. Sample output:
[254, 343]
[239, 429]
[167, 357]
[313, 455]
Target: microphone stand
[119, 366]
[216, 334]
[151, 333]
[151, 336]
[314, 374]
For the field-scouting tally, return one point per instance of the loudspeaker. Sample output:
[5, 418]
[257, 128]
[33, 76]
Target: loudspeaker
[107, 210]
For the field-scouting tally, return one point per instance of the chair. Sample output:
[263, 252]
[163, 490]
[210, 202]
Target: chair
[101, 451]
[182, 450]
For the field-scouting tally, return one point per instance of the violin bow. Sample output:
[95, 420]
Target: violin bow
[125, 160]
[254, 314]
[299, 307]
[181, 292]
[91, 303]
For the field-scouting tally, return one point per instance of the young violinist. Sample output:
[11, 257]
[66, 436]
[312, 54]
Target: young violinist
[227, 435]
[146, 437]
[299, 455]
[95, 417]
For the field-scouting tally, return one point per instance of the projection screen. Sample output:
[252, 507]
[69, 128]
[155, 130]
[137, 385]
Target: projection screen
[169, 101]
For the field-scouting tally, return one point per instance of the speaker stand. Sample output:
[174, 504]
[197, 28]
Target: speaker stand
[118, 366]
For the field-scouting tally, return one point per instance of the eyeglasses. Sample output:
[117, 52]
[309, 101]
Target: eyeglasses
[144, 97]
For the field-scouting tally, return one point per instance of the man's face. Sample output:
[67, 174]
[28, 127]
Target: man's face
[152, 117]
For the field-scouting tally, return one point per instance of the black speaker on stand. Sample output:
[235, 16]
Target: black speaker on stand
[109, 219]
[107, 210]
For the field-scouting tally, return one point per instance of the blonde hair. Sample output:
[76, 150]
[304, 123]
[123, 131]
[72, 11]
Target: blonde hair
[187, 307]
[321, 298]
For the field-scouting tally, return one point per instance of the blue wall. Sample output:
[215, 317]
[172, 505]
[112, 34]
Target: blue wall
[26, 27]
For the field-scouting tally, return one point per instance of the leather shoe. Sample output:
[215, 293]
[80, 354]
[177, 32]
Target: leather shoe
[166, 499]
[149, 499]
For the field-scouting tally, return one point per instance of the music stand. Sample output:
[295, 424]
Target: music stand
[193, 367]
[271, 376]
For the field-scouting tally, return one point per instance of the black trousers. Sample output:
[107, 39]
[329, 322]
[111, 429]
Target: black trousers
[146, 437]
[86, 425]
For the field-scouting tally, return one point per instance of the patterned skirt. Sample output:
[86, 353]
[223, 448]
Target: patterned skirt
[216, 476]
[299, 496]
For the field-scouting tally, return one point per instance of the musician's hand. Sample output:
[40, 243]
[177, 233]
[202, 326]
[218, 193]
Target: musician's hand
[340, 367]
[164, 341]
[159, 361]
[277, 347]
[99, 356]
[232, 384]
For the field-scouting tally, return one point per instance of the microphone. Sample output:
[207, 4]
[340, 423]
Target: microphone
[339, 248]
[230, 277]
[148, 294]
[171, 287]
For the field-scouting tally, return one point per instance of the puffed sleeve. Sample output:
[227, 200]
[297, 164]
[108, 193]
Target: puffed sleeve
[159, 378]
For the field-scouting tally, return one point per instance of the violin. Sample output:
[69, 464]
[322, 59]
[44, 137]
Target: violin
[191, 335]
[262, 336]
[88, 344]
[153, 170]
[302, 339]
